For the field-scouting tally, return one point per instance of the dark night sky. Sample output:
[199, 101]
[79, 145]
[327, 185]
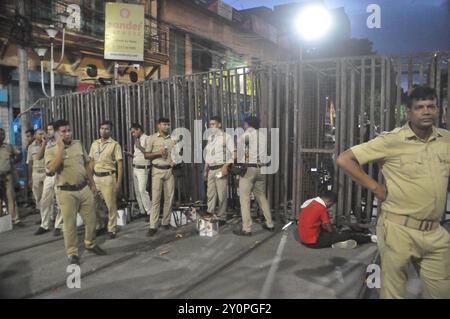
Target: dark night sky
[406, 25]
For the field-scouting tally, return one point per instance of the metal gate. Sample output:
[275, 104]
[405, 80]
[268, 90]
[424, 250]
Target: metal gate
[321, 107]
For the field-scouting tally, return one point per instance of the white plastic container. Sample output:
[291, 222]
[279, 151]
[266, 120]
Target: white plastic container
[121, 217]
[79, 220]
[5, 223]
[208, 228]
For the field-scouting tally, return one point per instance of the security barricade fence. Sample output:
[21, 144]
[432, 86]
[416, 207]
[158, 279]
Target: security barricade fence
[321, 107]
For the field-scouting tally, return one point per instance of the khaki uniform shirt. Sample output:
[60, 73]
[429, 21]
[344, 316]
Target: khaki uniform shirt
[416, 171]
[72, 170]
[33, 149]
[219, 149]
[139, 158]
[50, 143]
[256, 148]
[105, 155]
[6, 152]
[157, 143]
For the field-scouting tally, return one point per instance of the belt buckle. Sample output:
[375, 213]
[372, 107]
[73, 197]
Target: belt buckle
[425, 225]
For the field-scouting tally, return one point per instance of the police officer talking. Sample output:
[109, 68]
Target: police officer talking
[69, 160]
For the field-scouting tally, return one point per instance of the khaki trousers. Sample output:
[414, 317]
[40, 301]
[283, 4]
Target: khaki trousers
[38, 186]
[427, 251]
[48, 203]
[162, 179]
[13, 210]
[107, 186]
[70, 203]
[140, 177]
[253, 181]
[217, 191]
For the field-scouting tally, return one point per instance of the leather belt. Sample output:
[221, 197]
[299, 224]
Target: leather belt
[410, 222]
[141, 166]
[162, 167]
[73, 188]
[215, 167]
[50, 174]
[102, 174]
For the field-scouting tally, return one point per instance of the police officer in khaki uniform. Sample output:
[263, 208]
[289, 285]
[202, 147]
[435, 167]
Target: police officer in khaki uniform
[415, 161]
[48, 192]
[69, 160]
[141, 169]
[36, 168]
[160, 149]
[105, 153]
[219, 157]
[7, 152]
[254, 181]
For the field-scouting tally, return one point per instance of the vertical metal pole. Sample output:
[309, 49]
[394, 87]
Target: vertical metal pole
[369, 205]
[285, 148]
[361, 132]
[342, 141]
[351, 141]
[438, 89]
[336, 185]
[399, 94]
[387, 126]
[299, 147]
[410, 73]
[433, 72]
[448, 94]
[278, 91]
[22, 57]
[269, 125]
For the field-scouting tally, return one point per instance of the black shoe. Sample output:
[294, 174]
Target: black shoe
[222, 222]
[240, 232]
[41, 231]
[100, 231]
[112, 235]
[271, 229]
[97, 250]
[74, 260]
[151, 232]
[57, 232]
[18, 225]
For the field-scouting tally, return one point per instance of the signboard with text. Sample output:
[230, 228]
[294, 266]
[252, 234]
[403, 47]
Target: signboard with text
[124, 31]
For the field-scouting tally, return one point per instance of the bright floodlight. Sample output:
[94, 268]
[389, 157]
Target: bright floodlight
[313, 22]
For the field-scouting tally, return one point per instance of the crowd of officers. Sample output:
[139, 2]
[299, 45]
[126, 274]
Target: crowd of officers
[62, 172]
[414, 160]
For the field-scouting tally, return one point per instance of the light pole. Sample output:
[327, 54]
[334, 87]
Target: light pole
[51, 32]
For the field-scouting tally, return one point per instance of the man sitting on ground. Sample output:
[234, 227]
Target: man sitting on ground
[316, 231]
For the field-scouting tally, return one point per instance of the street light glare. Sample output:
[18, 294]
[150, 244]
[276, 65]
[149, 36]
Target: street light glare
[313, 22]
